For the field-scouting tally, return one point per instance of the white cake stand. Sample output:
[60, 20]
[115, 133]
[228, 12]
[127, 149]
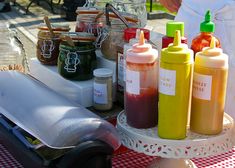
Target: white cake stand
[175, 153]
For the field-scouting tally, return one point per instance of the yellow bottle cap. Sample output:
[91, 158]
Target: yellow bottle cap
[177, 52]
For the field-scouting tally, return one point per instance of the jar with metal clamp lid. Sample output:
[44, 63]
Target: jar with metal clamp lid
[114, 30]
[90, 20]
[48, 46]
[77, 61]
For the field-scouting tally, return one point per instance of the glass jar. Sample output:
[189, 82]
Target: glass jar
[90, 21]
[114, 38]
[103, 81]
[113, 33]
[134, 7]
[12, 56]
[47, 46]
[77, 62]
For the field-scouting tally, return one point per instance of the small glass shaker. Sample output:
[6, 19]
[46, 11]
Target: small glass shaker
[102, 89]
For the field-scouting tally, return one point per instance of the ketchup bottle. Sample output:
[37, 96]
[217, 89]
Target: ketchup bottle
[207, 28]
[141, 95]
[171, 27]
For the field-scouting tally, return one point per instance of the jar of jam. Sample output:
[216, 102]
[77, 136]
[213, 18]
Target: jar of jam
[114, 38]
[48, 46]
[90, 21]
[77, 62]
[114, 30]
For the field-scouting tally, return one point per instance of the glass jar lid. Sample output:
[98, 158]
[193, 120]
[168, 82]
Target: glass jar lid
[87, 11]
[103, 72]
[78, 36]
[55, 26]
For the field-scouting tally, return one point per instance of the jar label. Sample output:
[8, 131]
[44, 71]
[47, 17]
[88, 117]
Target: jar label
[100, 93]
[47, 47]
[132, 82]
[167, 81]
[202, 86]
[71, 62]
[121, 71]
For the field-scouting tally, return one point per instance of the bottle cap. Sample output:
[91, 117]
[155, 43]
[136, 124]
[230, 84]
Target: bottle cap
[130, 33]
[141, 52]
[212, 50]
[172, 26]
[177, 52]
[102, 72]
[212, 57]
[207, 25]
[141, 46]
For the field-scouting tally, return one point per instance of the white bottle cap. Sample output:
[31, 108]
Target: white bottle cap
[103, 72]
[212, 57]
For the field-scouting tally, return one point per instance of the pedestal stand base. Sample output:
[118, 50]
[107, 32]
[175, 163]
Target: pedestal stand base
[172, 163]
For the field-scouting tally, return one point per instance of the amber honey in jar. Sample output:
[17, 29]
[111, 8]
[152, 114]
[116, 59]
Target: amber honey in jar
[47, 45]
[77, 61]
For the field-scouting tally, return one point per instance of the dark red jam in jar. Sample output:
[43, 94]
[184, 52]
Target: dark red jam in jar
[48, 46]
[89, 20]
[77, 62]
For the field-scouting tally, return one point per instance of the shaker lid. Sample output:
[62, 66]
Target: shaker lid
[102, 72]
[212, 56]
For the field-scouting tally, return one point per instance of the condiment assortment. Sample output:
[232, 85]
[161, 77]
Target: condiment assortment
[155, 92]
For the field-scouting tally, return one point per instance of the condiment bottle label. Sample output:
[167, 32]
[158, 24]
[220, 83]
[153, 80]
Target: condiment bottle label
[121, 70]
[202, 86]
[132, 82]
[100, 93]
[167, 81]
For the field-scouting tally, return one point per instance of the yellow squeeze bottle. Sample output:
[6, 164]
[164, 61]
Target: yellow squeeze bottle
[175, 86]
[209, 90]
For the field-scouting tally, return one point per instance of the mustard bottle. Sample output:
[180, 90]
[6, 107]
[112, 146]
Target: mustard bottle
[209, 90]
[175, 86]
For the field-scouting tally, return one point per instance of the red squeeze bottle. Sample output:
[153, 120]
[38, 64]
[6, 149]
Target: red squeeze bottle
[171, 27]
[141, 93]
[206, 33]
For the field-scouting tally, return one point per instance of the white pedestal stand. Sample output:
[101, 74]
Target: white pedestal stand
[175, 153]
